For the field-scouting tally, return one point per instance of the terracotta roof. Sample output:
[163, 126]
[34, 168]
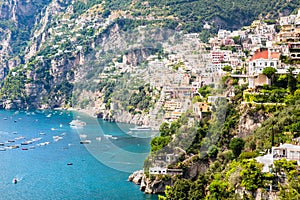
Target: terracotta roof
[264, 54]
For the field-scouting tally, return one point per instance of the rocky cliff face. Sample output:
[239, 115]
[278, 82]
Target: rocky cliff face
[250, 120]
[17, 20]
[156, 186]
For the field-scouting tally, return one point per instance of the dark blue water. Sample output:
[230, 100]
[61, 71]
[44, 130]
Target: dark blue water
[99, 170]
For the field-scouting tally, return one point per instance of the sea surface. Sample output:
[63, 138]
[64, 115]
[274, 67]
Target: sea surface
[57, 166]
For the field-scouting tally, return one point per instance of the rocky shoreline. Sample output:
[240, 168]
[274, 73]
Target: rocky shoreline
[148, 186]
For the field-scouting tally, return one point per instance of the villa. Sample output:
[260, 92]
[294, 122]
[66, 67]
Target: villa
[287, 151]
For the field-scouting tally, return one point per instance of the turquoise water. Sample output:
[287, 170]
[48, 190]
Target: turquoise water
[99, 170]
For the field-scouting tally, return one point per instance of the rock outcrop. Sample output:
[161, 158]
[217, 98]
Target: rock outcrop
[250, 120]
[156, 186]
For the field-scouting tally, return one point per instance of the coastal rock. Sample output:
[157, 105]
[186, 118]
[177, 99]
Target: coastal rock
[157, 186]
[136, 177]
[147, 185]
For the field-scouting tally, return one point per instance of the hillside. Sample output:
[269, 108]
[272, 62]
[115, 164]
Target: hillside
[27, 32]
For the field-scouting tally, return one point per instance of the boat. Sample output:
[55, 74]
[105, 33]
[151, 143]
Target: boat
[24, 148]
[20, 138]
[15, 181]
[1, 144]
[76, 123]
[141, 128]
[110, 136]
[25, 143]
[2, 149]
[85, 141]
[69, 163]
[57, 138]
[31, 147]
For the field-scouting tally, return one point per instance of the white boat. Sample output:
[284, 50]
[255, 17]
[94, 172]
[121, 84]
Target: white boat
[141, 128]
[76, 123]
[110, 136]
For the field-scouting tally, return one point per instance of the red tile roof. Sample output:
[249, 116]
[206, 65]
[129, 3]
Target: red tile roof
[264, 54]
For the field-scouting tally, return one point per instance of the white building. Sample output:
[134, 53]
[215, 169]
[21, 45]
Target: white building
[262, 59]
[157, 170]
[287, 151]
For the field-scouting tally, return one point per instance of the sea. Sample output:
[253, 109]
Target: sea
[51, 163]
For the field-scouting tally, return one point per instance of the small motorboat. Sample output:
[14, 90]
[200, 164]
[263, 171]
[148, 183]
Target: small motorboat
[15, 181]
[85, 141]
[70, 164]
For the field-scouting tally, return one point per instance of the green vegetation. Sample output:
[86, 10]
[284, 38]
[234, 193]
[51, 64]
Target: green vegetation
[269, 72]
[231, 164]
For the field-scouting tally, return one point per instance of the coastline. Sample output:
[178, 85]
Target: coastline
[89, 112]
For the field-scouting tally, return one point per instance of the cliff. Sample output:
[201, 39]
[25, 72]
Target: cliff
[147, 185]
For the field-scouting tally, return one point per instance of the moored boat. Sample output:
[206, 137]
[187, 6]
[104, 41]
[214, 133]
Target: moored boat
[141, 128]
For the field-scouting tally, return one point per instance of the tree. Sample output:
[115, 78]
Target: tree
[158, 143]
[180, 190]
[218, 189]
[227, 68]
[292, 81]
[269, 72]
[252, 176]
[236, 145]
[164, 129]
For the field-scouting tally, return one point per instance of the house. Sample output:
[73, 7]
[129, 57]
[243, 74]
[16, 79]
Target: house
[164, 170]
[263, 58]
[172, 105]
[200, 107]
[222, 34]
[157, 170]
[287, 151]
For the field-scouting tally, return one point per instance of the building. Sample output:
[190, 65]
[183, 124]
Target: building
[287, 151]
[157, 170]
[263, 58]
[172, 105]
[164, 170]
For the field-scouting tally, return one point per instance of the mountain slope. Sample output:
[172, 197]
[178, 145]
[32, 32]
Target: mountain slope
[47, 44]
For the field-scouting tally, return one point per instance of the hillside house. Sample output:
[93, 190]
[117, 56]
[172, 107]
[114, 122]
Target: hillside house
[263, 58]
[287, 151]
